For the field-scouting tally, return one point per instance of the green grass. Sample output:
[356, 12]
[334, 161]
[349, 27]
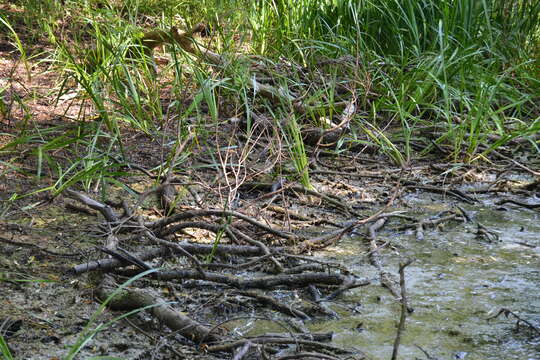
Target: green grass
[4, 349]
[92, 328]
[426, 74]
[298, 152]
[466, 69]
[471, 66]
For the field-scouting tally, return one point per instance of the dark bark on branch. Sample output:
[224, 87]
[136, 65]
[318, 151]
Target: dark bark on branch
[404, 308]
[273, 303]
[192, 248]
[130, 299]
[278, 340]
[458, 194]
[240, 282]
[105, 210]
[160, 224]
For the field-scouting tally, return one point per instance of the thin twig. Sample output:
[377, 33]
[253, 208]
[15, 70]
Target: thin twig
[403, 316]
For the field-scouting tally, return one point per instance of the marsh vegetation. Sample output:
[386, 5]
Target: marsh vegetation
[184, 179]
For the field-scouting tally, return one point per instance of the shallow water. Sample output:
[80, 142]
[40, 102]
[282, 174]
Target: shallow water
[455, 283]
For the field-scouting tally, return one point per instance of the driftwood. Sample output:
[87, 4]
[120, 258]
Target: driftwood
[332, 201]
[161, 224]
[519, 203]
[130, 299]
[458, 194]
[192, 248]
[293, 272]
[273, 303]
[404, 308]
[280, 340]
[260, 282]
[386, 278]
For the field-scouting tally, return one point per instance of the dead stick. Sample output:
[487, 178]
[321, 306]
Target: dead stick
[276, 340]
[507, 313]
[192, 248]
[131, 299]
[105, 210]
[241, 282]
[401, 326]
[263, 247]
[160, 224]
[268, 300]
[174, 246]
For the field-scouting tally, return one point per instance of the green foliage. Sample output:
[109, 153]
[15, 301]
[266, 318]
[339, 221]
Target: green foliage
[20, 48]
[4, 349]
[469, 65]
[91, 329]
[465, 68]
[297, 151]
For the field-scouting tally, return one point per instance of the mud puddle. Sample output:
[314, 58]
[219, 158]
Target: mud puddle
[455, 284]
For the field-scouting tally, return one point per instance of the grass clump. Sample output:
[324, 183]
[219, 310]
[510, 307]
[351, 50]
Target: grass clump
[470, 67]
[452, 75]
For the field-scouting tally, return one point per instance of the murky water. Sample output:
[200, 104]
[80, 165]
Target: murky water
[456, 282]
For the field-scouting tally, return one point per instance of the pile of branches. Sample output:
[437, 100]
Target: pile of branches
[239, 267]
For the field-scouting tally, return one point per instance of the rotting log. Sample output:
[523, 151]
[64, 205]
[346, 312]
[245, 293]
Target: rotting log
[260, 282]
[131, 299]
[192, 248]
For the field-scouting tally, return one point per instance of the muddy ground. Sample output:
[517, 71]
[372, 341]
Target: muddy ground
[45, 308]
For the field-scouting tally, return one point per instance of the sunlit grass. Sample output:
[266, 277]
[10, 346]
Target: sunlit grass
[468, 69]
[4, 349]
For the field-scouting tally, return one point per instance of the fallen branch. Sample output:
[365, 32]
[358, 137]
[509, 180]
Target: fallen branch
[458, 194]
[375, 259]
[273, 303]
[277, 340]
[241, 282]
[519, 203]
[105, 210]
[404, 308]
[507, 313]
[130, 299]
[192, 248]
[161, 224]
